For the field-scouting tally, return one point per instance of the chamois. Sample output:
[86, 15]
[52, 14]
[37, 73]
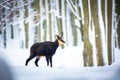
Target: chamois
[46, 49]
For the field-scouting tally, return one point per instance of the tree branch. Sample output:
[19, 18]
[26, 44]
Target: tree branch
[73, 10]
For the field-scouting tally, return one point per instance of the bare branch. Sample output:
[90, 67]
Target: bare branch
[73, 10]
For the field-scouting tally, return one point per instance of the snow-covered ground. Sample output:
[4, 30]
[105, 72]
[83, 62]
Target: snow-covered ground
[67, 65]
[46, 73]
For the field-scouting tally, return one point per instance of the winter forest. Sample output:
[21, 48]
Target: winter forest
[93, 25]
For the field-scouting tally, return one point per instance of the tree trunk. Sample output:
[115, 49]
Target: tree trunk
[36, 16]
[50, 19]
[94, 13]
[103, 11]
[117, 10]
[109, 31]
[12, 31]
[60, 19]
[81, 24]
[88, 59]
[5, 39]
[26, 28]
[74, 31]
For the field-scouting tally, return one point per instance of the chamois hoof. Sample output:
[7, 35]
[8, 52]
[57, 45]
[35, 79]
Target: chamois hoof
[36, 65]
[25, 64]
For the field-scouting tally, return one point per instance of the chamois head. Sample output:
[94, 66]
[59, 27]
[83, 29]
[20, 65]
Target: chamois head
[60, 40]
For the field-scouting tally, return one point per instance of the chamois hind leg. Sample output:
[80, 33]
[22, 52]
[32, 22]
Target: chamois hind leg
[31, 57]
[36, 60]
[50, 61]
[47, 59]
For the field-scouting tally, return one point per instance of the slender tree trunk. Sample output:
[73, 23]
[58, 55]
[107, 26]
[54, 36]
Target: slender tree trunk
[103, 10]
[74, 31]
[21, 25]
[5, 38]
[66, 30]
[117, 10]
[50, 19]
[88, 59]
[5, 30]
[60, 19]
[26, 28]
[109, 31]
[45, 32]
[36, 16]
[44, 22]
[12, 31]
[94, 13]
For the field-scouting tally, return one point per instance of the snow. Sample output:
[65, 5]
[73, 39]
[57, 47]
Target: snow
[68, 57]
[33, 73]
[67, 62]
[67, 65]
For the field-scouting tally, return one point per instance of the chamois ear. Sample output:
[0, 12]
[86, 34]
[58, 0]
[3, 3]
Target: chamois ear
[60, 37]
[57, 37]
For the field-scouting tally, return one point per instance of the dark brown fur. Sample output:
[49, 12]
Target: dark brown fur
[46, 49]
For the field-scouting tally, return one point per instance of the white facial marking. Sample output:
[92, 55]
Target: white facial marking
[60, 42]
